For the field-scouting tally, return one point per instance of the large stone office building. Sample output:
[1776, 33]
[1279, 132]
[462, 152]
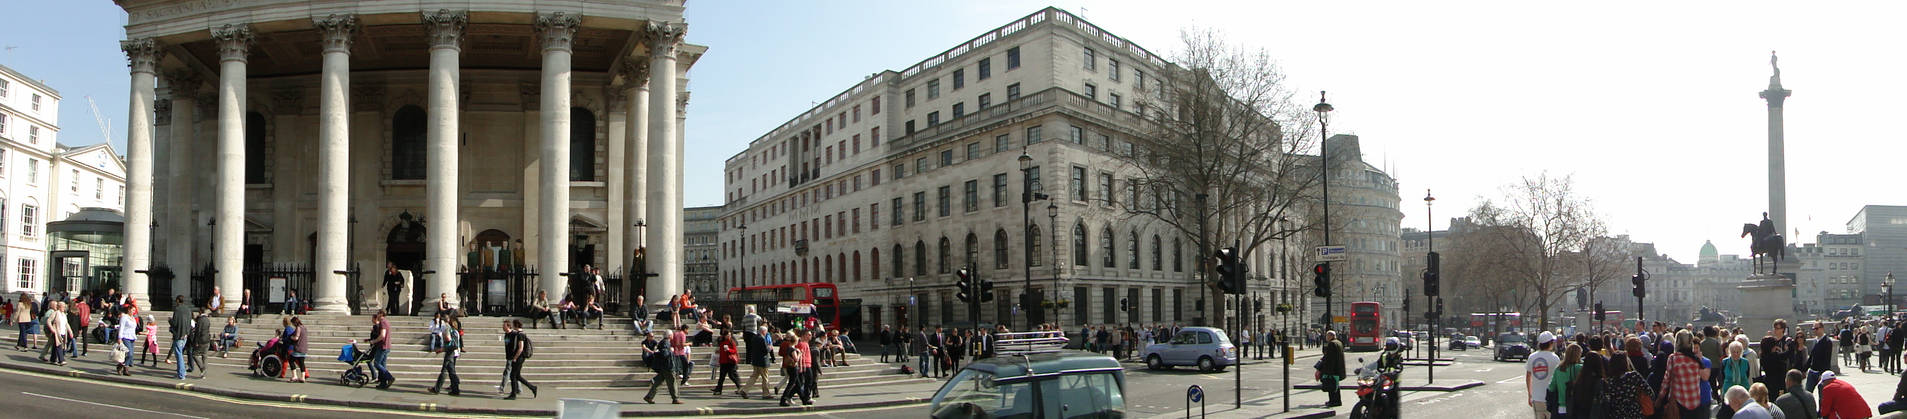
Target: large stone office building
[345, 133]
[889, 187]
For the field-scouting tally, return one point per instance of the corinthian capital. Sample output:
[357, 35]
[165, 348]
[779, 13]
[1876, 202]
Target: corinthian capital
[634, 73]
[663, 37]
[184, 83]
[233, 41]
[141, 54]
[446, 27]
[557, 30]
[336, 31]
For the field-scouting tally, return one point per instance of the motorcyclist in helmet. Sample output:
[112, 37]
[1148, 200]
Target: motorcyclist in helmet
[1393, 356]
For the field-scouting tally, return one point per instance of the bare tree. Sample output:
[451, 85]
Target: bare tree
[1221, 158]
[1546, 222]
[1477, 269]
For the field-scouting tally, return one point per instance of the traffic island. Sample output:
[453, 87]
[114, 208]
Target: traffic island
[1449, 386]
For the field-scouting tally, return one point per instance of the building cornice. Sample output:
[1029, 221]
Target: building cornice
[37, 85]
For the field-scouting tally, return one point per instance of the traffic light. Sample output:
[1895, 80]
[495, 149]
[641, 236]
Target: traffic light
[1122, 305]
[1431, 275]
[1439, 311]
[1231, 273]
[986, 291]
[1321, 280]
[964, 286]
[1638, 280]
[1600, 314]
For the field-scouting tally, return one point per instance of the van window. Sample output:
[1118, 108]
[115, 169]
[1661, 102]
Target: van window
[1094, 395]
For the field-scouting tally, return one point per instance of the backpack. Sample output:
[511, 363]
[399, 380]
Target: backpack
[453, 339]
[529, 348]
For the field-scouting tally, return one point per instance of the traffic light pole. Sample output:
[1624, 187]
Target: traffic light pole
[1640, 290]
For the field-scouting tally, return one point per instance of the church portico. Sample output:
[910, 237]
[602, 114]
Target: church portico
[327, 123]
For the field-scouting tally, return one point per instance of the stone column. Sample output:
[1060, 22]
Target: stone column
[228, 237]
[144, 58]
[557, 31]
[334, 163]
[635, 74]
[664, 180]
[1777, 156]
[182, 171]
[440, 188]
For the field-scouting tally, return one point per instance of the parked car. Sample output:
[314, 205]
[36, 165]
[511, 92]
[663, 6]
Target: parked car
[1204, 347]
[1472, 342]
[1024, 383]
[1511, 347]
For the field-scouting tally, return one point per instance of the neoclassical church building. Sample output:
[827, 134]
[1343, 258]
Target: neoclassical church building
[484, 149]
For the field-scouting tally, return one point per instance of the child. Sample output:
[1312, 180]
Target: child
[152, 343]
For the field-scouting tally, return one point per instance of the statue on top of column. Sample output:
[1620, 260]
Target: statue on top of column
[1774, 61]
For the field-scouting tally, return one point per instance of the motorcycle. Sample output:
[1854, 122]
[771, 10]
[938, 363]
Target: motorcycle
[1378, 393]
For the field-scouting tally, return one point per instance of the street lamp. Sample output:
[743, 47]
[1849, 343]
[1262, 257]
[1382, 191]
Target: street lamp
[742, 254]
[1323, 109]
[1888, 287]
[1052, 215]
[641, 262]
[1027, 196]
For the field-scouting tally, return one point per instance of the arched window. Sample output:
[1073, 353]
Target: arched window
[945, 248]
[1105, 246]
[815, 270]
[1033, 246]
[1132, 250]
[827, 269]
[899, 270]
[1157, 254]
[255, 154]
[973, 251]
[1079, 245]
[841, 267]
[920, 258]
[1000, 250]
[1178, 256]
[407, 144]
[582, 145]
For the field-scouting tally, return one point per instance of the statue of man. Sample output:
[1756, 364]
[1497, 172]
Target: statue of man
[1767, 226]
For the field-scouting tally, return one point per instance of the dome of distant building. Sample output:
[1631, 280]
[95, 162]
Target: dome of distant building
[1709, 254]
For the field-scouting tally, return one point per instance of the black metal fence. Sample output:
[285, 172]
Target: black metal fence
[271, 285]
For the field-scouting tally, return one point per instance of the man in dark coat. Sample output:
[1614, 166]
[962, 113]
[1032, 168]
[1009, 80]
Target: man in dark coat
[1331, 368]
[393, 284]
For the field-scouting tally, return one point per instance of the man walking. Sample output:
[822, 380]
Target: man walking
[393, 284]
[660, 356]
[181, 327]
[886, 338]
[516, 348]
[1538, 371]
[380, 344]
[1820, 358]
[198, 341]
[1331, 369]
[757, 354]
[57, 335]
[451, 348]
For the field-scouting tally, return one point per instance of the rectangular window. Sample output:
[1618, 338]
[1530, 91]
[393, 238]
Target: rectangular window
[945, 199]
[99, 188]
[32, 171]
[908, 102]
[857, 183]
[1079, 183]
[897, 212]
[1012, 91]
[1112, 99]
[27, 215]
[920, 206]
[1076, 134]
[1000, 143]
[910, 127]
[1033, 176]
[971, 193]
[1090, 61]
[3, 89]
[857, 114]
[874, 177]
[1033, 135]
[959, 78]
[973, 150]
[32, 134]
[36, 102]
[986, 68]
[960, 109]
[933, 89]
[3, 125]
[933, 118]
[827, 226]
[829, 153]
[1092, 92]
[857, 143]
[1012, 58]
[999, 190]
[3, 162]
[856, 226]
[874, 216]
[26, 274]
[875, 105]
[874, 136]
[946, 158]
[1139, 77]
[900, 171]
[1112, 69]
[986, 99]
[74, 183]
[1105, 187]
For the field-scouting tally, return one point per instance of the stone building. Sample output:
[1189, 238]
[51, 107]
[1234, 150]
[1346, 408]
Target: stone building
[893, 184]
[1367, 220]
[701, 252]
[341, 134]
[1829, 274]
[29, 143]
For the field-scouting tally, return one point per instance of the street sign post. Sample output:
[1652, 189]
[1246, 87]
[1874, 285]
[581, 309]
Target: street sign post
[1331, 254]
[1194, 394]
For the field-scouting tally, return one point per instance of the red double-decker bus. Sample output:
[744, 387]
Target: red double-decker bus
[782, 304]
[1367, 326]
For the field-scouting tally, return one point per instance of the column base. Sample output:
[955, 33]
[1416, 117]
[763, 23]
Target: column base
[328, 306]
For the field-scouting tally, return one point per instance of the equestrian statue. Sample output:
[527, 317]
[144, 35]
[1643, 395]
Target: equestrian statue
[1765, 241]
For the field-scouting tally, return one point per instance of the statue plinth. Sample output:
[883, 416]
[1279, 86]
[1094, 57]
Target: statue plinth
[1764, 298]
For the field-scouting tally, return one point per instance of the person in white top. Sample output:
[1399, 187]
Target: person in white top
[1537, 372]
[128, 333]
[56, 332]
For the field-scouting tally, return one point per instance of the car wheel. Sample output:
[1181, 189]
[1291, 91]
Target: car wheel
[1154, 363]
[1205, 364]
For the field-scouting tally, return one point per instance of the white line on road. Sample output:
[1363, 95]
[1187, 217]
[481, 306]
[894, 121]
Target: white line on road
[1508, 380]
[111, 405]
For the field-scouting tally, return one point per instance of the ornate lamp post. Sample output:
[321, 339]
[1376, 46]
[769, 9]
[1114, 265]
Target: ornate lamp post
[1052, 215]
[742, 255]
[1323, 109]
[1028, 301]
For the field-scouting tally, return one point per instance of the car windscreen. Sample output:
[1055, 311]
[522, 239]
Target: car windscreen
[1510, 339]
[1083, 395]
[974, 394]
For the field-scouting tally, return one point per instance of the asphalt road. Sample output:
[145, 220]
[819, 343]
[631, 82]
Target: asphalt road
[1162, 393]
[25, 394]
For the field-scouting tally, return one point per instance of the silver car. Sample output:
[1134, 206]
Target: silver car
[1207, 348]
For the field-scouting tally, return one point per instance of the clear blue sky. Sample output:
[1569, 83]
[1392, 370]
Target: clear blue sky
[1651, 105]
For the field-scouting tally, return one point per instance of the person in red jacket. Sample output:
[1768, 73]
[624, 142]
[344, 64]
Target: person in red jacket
[727, 356]
[1840, 401]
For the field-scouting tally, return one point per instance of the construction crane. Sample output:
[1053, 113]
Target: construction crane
[105, 125]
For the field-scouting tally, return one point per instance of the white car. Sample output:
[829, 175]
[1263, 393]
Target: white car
[1205, 347]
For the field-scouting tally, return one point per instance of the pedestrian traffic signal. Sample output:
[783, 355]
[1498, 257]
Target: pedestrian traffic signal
[986, 291]
[1638, 280]
[1431, 275]
[964, 286]
[1600, 314]
[1122, 305]
[1321, 279]
[1231, 273]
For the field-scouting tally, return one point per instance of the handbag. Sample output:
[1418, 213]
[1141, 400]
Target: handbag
[1646, 402]
[1670, 409]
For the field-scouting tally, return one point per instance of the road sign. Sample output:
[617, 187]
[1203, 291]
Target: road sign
[1338, 319]
[910, 300]
[1331, 254]
[1195, 394]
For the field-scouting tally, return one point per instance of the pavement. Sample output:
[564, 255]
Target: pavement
[479, 396]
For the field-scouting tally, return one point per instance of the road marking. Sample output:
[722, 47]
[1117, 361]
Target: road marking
[110, 405]
[1508, 380]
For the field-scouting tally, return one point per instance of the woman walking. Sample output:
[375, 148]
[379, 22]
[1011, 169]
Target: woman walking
[128, 333]
[1559, 383]
[728, 357]
[1622, 390]
[299, 347]
[452, 347]
[57, 334]
[1735, 368]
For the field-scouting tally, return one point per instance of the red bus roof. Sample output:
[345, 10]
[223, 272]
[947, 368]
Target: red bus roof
[780, 286]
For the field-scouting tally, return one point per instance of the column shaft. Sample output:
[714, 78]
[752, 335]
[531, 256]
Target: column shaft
[180, 193]
[138, 227]
[637, 167]
[334, 165]
[229, 234]
[663, 184]
[440, 240]
[557, 31]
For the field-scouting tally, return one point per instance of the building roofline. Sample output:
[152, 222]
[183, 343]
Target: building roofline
[30, 81]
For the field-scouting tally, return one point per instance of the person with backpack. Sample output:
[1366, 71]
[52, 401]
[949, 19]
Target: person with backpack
[516, 349]
[659, 354]
[451, 346]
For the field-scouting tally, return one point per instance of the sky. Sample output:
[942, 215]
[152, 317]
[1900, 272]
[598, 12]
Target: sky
[1651, 107]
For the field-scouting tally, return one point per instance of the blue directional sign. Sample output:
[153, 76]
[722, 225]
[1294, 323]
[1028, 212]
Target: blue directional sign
[1195, 394]
[910, 300]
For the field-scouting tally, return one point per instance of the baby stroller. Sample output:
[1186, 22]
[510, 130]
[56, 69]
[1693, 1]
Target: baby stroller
[269, 359]
[357, 372]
